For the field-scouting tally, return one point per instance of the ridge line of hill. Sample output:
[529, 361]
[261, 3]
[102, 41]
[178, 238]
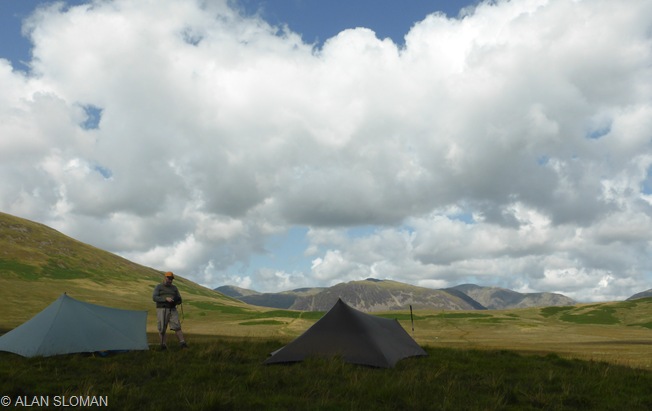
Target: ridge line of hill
[385, 295]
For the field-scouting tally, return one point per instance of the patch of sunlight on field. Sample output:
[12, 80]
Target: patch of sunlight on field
[529, 332]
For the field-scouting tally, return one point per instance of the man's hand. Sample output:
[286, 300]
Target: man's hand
[169, 299]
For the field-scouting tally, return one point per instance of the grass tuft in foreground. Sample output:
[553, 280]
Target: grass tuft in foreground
[220, 373]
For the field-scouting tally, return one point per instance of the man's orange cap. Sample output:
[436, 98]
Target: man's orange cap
[169, 274]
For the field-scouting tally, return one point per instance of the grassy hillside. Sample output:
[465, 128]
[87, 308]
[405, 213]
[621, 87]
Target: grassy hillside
[38, 264]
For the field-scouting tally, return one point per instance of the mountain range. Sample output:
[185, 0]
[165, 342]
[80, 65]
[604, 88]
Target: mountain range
[386, 295]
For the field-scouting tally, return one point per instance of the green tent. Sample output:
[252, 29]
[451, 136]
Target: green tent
[356, 337]
[70, 326]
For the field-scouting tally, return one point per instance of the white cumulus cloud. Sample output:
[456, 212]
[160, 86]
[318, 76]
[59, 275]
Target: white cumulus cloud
[510, 146]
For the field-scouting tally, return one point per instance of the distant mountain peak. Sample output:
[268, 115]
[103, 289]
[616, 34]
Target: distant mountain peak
[374, 294]
[643, 294]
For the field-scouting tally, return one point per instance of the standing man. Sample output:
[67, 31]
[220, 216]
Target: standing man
[167, 297]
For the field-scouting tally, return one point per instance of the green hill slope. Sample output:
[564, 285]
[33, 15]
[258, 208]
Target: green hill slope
[38, 264]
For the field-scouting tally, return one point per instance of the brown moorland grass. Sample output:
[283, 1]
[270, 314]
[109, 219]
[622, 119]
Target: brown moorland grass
[227, 373]
[569, 333]
[627, 341]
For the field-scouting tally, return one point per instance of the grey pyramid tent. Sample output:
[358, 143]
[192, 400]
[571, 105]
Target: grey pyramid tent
[70, 326]
[354, 336]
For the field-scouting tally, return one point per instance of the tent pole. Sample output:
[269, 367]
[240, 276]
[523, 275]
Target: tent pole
[412, 320]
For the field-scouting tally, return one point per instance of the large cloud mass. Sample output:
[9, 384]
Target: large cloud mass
[510, 146]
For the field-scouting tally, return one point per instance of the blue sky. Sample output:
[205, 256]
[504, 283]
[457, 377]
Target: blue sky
[278, 144]
[316, 21]
[321, 20]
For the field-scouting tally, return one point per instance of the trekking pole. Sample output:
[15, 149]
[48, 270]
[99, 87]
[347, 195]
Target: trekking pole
[166, 319]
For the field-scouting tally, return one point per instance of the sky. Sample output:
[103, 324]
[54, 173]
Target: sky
[278, 144]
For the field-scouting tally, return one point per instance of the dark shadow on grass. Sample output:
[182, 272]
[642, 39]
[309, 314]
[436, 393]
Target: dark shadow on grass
[617, 342]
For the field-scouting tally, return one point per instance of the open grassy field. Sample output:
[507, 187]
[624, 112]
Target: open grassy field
[572, 332]
[619, 333]
[227, 373]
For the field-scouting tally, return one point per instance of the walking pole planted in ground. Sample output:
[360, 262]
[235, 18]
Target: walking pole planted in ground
[412, 319]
